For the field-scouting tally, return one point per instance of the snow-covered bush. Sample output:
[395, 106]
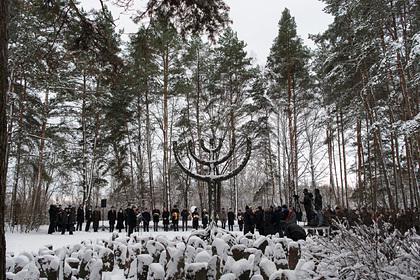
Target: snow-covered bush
[362, 252]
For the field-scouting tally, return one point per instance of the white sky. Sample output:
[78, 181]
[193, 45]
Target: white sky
[256, 21]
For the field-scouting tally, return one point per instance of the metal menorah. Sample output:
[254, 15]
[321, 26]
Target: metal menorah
[213, 176]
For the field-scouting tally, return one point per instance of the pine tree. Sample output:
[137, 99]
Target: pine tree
[286, 64]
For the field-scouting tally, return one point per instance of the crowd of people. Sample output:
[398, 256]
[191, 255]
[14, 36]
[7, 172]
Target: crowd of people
[282, 219]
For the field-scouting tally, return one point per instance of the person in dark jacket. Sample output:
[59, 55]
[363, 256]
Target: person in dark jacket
[71, 220]
[318, 207]
[204, 218]
[88, 217]
[223, 217]
[96, 217]
[63, 220]
[295, 232]
[80, 217]
[112, 216]
[145, 215]
[165, 219]
[53, 213]
[307, 204]
[259, 220]
[156, 218]
[175, 218]
[249, 220]
[231, 219]
[268, 221]
[277, 222]
[184, 218]
[240, 220]
[195, 219]
[120, 219]
[131, 219]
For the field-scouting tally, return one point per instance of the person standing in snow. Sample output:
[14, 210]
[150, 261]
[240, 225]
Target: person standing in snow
[184, 219]
[53, 213]
[307, 204]
[175, 218]
[112, 216]
[156, 218]
[71, 214]
[145, 215]
[240, 220]
[120, 219]
[88, 216]
[231, 219]
[249, 220]
[165, 219]
[195, 219]
[131, 219]
[80, 218]
[259, 220]
[223, 217]
[204, 218]
[96, 217]
[318, 207]
[63, 220]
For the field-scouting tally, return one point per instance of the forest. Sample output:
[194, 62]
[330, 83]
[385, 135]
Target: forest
[92, 116]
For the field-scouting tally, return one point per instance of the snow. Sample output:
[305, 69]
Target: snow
[17, 242]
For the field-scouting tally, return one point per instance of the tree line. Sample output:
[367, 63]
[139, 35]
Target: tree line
[90, 115]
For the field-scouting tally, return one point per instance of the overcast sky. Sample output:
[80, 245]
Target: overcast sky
[256, 21]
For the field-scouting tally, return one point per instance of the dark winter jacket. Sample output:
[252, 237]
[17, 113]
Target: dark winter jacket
[318, 201]
[156, 215]
[165, 217]
[131, 217]
[146, 216]
[120, 219]
[62, 218]
[71, 214]
[231, 217]
[53, 212]
[80, 215]
[185, 214]
[88, 214]
[96, 216]
[112, 216]
[295, 232]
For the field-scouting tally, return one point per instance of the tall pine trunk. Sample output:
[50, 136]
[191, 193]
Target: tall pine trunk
[4, 18]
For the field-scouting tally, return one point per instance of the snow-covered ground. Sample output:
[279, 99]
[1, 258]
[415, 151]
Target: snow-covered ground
[17, 242]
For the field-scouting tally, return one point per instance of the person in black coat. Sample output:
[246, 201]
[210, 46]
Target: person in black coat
[231, 219]
[80, 217]
[175, 218]
[249, 220]
[259, 220]
[145, 215]
[112, 216]
[204, 218]
[165, 219]
[318, 207]
[53, 213]
[88, 217]
[268, 221]
[96, 217]
[195, 219]
[120, 219]
[277, 222]
[63, 220]
[307, 204]
[71, 219]
[156, 218]
[184, 217]
[295, 232]
[240, 220]
[131, 219]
